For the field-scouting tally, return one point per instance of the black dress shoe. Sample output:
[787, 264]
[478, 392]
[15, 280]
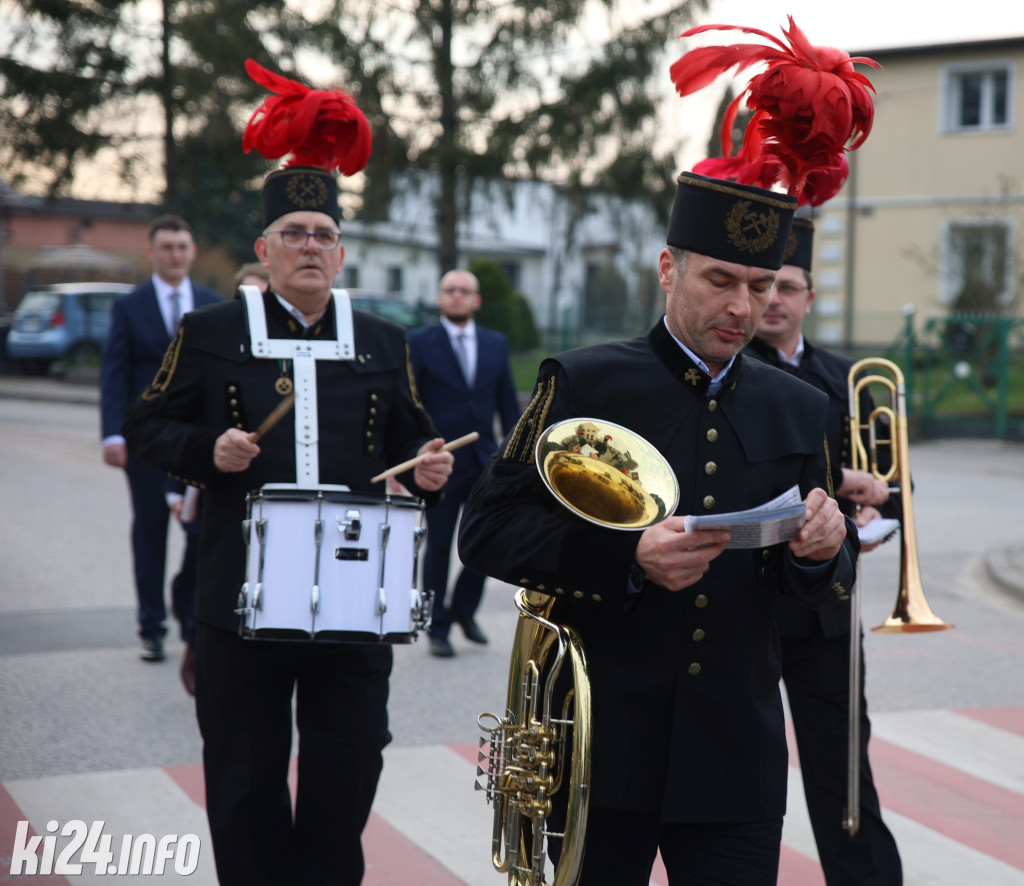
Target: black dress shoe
[440, 647]
[470, 628]
[152, 649]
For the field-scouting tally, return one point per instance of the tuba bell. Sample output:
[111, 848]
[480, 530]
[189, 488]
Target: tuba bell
[608, 475]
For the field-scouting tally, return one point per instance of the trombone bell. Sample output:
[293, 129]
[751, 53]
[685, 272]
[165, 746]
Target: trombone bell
[911, 614]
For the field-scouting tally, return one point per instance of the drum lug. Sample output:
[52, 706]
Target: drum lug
[352, 525]
[261, 535]
[318, 538]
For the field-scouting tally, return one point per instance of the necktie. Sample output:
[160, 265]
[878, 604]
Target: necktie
[462, 353]
[175, 299]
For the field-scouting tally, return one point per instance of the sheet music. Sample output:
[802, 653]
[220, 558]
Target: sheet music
[877, 530]
[775, 521]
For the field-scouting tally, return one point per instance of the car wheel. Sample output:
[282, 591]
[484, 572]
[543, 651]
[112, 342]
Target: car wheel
[34, 367]
[82, 360]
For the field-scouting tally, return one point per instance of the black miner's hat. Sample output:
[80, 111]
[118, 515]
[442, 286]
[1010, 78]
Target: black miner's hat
[731, 222]
[800, 248]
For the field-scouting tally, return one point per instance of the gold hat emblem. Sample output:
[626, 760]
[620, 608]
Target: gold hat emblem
[306, 191]
[791, 246]
[751, 230]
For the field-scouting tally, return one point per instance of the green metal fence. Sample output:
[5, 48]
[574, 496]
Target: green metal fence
[964, 374]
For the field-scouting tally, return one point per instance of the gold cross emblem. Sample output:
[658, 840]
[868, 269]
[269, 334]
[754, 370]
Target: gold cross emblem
[692, 376]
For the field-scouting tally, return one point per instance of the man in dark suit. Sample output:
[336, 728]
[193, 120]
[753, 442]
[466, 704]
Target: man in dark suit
[688, 750]
[464, 378]
[142, 325]
[815, 644]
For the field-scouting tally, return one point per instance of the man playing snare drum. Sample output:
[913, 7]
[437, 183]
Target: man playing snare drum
[356, 413]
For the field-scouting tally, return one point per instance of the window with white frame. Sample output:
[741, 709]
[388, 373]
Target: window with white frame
[978, 265]
[978, 97]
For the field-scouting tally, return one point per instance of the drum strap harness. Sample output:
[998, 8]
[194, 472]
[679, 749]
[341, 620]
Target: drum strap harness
[303, 355]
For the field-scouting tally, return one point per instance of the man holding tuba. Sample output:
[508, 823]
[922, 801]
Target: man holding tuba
[688, 748]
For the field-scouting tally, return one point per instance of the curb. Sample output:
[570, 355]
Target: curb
[1005, 566]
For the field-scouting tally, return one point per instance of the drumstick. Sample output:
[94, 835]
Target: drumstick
[412, 462]
[274, 417]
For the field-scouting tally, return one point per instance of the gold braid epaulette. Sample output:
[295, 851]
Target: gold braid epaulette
[522, 442]
[412, 379]
[828, 471]
[167, 369]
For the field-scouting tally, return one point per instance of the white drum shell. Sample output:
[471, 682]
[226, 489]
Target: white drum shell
[342, 578]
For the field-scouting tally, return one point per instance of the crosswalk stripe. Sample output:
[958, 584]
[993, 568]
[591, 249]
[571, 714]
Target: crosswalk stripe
[951, 785]
[962, 742]
[131, 801]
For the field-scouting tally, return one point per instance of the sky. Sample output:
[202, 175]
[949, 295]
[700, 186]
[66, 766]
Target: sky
[856, 26]
[877, 24]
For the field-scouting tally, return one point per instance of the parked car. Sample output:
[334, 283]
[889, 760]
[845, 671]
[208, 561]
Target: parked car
[65, 322]
[389, 306]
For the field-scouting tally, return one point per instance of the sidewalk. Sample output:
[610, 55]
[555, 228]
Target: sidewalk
[1005, 565]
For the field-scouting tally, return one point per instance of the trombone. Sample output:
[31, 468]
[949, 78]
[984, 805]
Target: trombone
[885, 427]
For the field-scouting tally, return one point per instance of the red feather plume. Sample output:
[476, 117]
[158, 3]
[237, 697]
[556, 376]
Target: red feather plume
[810, 107]
[317, 127]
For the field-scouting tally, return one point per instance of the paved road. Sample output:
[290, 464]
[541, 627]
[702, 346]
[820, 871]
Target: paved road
[88, 732]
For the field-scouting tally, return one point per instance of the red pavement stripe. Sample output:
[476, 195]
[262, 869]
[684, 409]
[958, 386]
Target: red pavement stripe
[394, 860]
[1010, 719]
[10, 815]
[796, 869]
[189, 777]
[470, 752]
[391, 859]
[969, 810]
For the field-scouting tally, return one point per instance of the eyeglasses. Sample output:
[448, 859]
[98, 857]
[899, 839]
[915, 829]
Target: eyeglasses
[448, 290]
[293, 238]
[789, 289]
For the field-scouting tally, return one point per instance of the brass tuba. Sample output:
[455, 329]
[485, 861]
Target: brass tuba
[606, 474]
[885, 426]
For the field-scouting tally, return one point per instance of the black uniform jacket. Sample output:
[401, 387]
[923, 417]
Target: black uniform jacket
[369, 419]
[688, 720]
[828, 372]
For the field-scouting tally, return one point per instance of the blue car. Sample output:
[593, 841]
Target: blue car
[65, 323]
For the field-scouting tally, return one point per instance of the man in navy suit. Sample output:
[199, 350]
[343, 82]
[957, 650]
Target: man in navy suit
[463, 374]
[142, 325]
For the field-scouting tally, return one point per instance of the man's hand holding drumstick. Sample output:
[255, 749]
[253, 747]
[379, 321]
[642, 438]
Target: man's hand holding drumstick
[235, 449]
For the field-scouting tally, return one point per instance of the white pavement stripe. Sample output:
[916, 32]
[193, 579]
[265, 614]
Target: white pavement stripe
[427, 794]
[133, 801]
[983, 751]
[796, 826]
[931, 858]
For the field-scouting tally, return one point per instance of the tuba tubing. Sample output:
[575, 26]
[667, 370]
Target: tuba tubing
[607, 475]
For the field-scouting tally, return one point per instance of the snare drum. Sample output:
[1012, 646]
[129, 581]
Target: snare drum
[328, 564]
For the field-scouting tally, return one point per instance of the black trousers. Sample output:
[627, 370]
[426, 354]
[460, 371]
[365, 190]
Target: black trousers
[816, 673]
[442, 519]
[621, 847]
[150, 516]
[244, 692]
